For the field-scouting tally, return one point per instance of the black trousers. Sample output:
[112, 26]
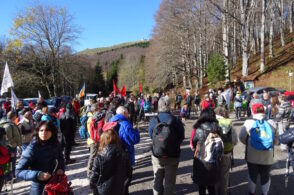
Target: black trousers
[202, 190]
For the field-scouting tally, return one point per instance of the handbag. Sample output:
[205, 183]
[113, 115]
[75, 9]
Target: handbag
[287, 137]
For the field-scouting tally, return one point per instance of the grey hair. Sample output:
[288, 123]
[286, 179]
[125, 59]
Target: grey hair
[164, 104]
[121, 110]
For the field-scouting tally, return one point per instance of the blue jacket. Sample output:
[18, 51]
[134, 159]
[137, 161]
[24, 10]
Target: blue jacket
[39, 157]
[128, 135]
[177, 125]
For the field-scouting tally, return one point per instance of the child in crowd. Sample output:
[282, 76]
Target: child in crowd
[183, 113]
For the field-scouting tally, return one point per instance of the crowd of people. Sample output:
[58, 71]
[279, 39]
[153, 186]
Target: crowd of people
[43, 137]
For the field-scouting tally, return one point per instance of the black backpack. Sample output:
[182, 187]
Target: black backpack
[164, 139]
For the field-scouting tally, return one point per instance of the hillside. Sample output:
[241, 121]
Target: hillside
[106, 55]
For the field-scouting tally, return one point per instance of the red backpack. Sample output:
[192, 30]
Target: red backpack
[58, 185]
[96, 129]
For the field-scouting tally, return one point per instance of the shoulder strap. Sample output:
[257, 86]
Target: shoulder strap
[197, 149]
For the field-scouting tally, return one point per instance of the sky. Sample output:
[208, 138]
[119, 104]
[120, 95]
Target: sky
[102, 22]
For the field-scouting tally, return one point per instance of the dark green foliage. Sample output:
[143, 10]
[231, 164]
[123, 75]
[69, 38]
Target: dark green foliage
[216, 69]
[98, 83]
[112, 75]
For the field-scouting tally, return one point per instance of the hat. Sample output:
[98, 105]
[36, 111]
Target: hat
[257, 108]
[31, 105]
[52, 110]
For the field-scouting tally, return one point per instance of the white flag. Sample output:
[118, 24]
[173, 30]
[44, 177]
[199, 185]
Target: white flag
[7, 80]
[39, 94]
[14, 99]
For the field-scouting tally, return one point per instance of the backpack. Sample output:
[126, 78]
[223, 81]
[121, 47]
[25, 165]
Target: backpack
[226, 134]
[262, 135]
[287, 137]
[211, 150]
[164, 139]
[96, 126]
[84, 119]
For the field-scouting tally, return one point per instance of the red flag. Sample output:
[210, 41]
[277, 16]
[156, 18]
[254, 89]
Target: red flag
[114, 86]
[140, 88]
[123, 91]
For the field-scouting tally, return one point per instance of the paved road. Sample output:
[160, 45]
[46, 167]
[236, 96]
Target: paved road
[143, 174]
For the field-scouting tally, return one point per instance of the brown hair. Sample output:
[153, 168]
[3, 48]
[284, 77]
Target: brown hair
[108, 137]
[45, 110]
[222, 112]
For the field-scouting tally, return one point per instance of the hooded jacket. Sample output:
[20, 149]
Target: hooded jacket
[128, 135]
[68, 123]
[26, 128]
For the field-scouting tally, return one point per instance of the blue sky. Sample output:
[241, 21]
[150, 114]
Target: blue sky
[103, 22]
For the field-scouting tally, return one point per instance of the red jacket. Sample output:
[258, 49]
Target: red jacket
[7, 106]
[206, 104]
[76, 107]
[4, 157]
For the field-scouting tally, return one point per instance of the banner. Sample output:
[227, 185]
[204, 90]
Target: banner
[7, 80]
[140, 88]
[14, 99]
[39, 94]
[82, 91]
[114, 87]
[123, 91]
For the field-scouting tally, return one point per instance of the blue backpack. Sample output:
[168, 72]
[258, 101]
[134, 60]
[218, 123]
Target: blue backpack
[262, 135]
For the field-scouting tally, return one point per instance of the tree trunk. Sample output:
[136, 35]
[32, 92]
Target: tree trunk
[271, 33]
[262, 30]
[290, 15]
[244, 38]
[282, 21]
[234, 55]
[225, 40]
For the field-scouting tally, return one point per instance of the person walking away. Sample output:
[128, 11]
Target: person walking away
[41, 159]
[115, 103]
[128, 136]
[68, 124]
[254, 100]
[283, 117]
[13, 136]
[91, 141]
[26, 127]
[111, 166]
[178, 101]
[267, 104]
[207, 102]
[131, 109]
[205, 138]
[4, 157]
[165, 148]
[230, 139]
[197, 102]
[221, 102]
[188, 101]
[259, 137]
[238, 105]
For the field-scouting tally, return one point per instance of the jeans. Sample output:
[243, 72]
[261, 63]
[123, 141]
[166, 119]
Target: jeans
[36, 188]
[238, 112]
[93, 152]
[164, 168]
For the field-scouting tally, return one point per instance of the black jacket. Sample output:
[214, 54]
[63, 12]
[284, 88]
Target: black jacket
[110, 171]
[204, 173]
[68, 123]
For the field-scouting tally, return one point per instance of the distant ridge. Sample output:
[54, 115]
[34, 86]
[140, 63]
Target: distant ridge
[101, 50]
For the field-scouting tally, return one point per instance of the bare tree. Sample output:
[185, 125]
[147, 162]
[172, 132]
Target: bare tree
[262, 31]
[48, 29]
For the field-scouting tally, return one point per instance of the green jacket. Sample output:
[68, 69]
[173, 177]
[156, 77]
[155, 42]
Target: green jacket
[12, 132]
